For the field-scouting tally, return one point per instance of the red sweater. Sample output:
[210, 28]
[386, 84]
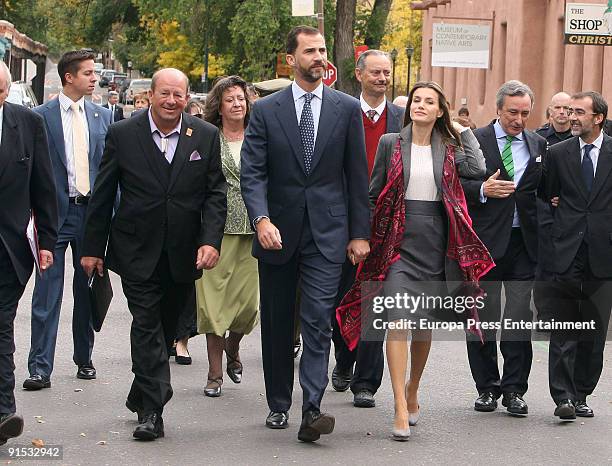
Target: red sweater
[373, 133]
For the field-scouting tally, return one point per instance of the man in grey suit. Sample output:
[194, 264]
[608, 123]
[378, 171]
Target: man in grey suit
[76, 129]
[305, 184]
[379, 117]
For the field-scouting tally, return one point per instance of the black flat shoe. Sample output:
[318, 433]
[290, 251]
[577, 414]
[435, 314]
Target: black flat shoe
[486, 402]
[213, 387]
[565, 410]
[11, 425]
[36, 382]
[583, 409]
[341, 380]
[183, 360]
[86, 372]
[234, 368]
[277, 420]
[315, 424]
[364, 399]
[515, 404]
[151, 427]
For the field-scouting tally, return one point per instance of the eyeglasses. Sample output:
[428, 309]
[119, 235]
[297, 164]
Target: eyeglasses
[579, 112]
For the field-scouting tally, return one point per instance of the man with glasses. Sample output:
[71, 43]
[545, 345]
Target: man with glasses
[579, 184]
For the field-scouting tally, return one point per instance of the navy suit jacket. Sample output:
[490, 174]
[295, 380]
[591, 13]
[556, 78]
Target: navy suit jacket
[274, 181]
[395, 118]
[98, 120]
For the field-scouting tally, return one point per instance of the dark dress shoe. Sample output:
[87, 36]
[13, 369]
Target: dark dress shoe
[315, 424]
[364, 399]
[151, 427]
[234, 368]
[486, 402]
[341, 380]
[213, 387]
[36, 382]
[86, 372]
[565, 410]
[277, 420]
[183, 360]
[514, 403]
[132, 407]
[11, 425]
[583, 409]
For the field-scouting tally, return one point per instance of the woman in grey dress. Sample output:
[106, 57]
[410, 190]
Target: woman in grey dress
[428, 145]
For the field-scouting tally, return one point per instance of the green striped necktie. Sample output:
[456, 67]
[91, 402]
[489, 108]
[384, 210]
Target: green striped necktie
[507, 157]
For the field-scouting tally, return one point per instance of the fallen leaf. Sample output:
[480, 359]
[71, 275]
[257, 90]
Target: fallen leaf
[83, 434]
[117, 433]
[37, 417]
[38, 443]
[368, 433]
[101, 442]
[78, 389]
[40, 421]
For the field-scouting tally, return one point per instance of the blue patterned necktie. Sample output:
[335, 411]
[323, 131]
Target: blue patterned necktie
[587, 167]
[307, 131]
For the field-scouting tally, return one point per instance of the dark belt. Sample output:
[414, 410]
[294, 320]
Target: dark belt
[79, 200]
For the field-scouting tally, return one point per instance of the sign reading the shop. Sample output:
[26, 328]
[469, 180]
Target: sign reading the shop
[460, 45]
[588, 24]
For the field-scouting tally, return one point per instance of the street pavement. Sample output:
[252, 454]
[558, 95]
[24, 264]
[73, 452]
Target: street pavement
[90, 421]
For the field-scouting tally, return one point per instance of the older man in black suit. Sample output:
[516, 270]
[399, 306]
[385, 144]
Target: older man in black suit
[578, 178]
[167, 228]
[26, 185]
[504, 214]
[304, 181]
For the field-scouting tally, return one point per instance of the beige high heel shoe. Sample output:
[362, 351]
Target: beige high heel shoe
[413, 418]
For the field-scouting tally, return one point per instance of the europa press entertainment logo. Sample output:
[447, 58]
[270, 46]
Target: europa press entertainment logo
[588, 24]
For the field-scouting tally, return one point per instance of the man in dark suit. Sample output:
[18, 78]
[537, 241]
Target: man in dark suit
[578, 179]
[76, 129]
[26, 184]
[379, 116]
[304, 180]
[112, 105]
[167, 228]
[504, 215]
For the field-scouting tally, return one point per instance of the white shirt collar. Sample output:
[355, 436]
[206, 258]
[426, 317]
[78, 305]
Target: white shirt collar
[597, 142]
[365, 106]
[298, 92]
[177, 128]
[66, 102]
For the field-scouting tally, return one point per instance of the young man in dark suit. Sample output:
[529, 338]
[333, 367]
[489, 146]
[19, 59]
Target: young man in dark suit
[579, 181]
[76, 129]
[379, 116]
[304, 179]
[26, 184]
[167, 228]
[504, 215]
[112, 105]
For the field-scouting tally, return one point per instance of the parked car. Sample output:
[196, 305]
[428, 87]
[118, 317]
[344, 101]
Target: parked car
[136, 87]
[98, 67]
[21, 93]
[124, 85]
[116, 80]
[106, 76]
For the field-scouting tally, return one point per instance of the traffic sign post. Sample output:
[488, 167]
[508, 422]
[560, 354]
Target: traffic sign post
[331, 74]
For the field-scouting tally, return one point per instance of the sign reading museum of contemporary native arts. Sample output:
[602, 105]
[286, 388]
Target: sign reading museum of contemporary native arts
[460, 45]
[588, 24]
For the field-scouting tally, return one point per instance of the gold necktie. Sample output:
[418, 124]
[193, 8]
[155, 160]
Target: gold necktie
[79, 150]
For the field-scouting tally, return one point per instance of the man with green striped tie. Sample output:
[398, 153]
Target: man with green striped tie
[504, 215]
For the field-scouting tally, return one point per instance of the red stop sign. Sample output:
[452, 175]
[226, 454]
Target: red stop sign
[331, 75]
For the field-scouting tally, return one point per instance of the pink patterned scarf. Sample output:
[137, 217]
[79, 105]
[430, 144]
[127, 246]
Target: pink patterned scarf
[388, 221]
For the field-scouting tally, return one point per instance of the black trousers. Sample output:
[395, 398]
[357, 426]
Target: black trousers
[515, 270]
[575, 357]
[368, 357]
[186, 326]
[317, 279]
[155, 306]
[10, 292]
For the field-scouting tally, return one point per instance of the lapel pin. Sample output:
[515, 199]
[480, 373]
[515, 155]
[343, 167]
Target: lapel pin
[95, 115]
[189, 132]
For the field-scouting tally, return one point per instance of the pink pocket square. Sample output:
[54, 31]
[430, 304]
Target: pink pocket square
[195, 155]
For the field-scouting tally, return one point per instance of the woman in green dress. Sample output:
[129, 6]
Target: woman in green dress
[228, 295]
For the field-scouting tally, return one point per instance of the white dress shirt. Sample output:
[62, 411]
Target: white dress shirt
[65, 103]
[594, 154]
[166, 143]
[315, 104]
[365, 107]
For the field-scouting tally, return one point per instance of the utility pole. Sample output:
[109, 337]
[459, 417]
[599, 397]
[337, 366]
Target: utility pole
[321, 18]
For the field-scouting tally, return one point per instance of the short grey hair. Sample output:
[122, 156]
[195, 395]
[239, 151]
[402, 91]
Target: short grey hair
[369, 53]
[7, 74]
[513, 88]
[113, 93]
